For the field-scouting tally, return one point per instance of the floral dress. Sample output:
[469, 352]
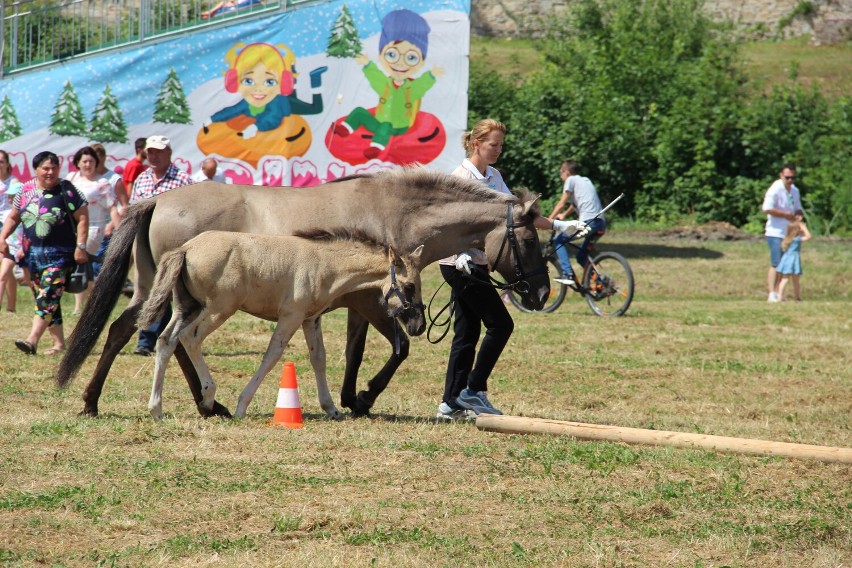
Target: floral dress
[50, 231]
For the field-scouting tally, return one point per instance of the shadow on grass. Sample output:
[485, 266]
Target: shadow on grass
[634, 251]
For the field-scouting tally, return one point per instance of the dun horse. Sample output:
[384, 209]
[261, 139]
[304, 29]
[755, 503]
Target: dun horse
[218, 273]
[400, 207]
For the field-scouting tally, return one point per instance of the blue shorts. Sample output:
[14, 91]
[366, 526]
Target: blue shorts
[775, 252]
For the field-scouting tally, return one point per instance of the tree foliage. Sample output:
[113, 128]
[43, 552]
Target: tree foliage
[651, 98]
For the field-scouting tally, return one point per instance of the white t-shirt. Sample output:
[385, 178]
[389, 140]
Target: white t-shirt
[583, 196]
[200, 176]
[493, 180]
[101, 197]
[6, 199]
[777, 197]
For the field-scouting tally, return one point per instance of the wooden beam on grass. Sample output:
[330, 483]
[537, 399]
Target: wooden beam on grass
[580, 431]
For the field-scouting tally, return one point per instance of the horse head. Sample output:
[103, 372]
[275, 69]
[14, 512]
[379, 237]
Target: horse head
[402, 291]
[518, 256]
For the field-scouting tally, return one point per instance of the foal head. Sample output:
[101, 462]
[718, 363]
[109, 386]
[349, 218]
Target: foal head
[401, 291]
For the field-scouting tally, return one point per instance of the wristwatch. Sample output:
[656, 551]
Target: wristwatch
[81, 246]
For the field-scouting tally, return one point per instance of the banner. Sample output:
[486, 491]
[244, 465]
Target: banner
[297, 98]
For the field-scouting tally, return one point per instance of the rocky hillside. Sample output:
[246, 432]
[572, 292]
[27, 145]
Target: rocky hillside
[826, 21]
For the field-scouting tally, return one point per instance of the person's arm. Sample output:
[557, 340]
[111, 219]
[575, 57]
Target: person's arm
[81, 216]
[12, 222]
[780, 213]
[806, 234]
[562, 201]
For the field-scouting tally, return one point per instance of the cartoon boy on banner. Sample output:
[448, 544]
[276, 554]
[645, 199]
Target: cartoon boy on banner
[266, 121]
[394, 130]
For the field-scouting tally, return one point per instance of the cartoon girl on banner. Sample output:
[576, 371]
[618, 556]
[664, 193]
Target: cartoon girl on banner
[266, 121]
[394, 130]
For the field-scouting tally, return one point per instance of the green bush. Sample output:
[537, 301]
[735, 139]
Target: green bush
[652, 100]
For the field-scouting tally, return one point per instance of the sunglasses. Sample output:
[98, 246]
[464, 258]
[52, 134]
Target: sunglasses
[788, 178]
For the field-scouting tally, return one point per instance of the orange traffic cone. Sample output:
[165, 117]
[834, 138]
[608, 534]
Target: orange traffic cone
[288, 410]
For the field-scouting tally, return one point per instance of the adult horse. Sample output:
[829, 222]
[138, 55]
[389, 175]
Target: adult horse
[218, 273]
[399, 208]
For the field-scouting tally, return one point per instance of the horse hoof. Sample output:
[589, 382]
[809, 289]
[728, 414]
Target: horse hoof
[217, 410]
[356, 413]
[90, 411]
[348, 401]
[362, 405]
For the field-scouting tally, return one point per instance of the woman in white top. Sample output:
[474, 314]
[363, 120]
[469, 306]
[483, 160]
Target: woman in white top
[476, 300]
[100, 194]
[9, 186]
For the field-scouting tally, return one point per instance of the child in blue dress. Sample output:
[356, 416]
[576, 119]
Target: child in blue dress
[790, 266]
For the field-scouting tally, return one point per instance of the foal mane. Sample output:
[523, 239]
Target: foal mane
[341, 234]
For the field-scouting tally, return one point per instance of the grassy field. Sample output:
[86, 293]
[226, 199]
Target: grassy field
[767, 62]
[699, 351]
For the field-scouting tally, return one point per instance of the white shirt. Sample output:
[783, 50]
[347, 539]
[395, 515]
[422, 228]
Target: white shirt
[777, 197]
[199, 176]
[583, 197]
[493, 180]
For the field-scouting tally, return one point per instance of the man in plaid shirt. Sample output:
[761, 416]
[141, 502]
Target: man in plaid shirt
[162, 175]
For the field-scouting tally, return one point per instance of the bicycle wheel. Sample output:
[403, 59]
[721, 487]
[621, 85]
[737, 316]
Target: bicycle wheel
[609, 285]
[557, 290]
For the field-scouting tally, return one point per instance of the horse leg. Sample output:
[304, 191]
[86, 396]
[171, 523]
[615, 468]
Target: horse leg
[316, 349]
[166, 344]
[119, 334]
[378, 317]
[356, 340]
[188, 366]
[284, 330]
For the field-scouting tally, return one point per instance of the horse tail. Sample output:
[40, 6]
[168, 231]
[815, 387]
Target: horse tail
[168, 275]
[106, 290]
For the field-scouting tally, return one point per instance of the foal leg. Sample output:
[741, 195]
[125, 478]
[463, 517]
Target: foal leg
[166, 344]
[192, 340]
[284, 330]
[316, 349]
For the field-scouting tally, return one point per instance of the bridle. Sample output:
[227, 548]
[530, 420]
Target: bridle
[520, 284]
[405, 305]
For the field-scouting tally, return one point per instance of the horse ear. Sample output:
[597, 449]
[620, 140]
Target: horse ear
[529, 204]
[392, 256]
[415, 256]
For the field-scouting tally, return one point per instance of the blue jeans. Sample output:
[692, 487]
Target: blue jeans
[775, 252]
[598, 228]
[148, 336]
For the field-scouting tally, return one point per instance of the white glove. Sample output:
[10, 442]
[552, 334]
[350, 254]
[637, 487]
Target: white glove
[571, 228]
[463, 262]
[250, 131]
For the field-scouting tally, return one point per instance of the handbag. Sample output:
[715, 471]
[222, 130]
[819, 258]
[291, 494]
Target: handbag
[83, 273]
[80, 278]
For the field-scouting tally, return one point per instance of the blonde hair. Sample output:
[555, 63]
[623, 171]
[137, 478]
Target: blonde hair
[480, 132]
[793, 228]
[276, 58]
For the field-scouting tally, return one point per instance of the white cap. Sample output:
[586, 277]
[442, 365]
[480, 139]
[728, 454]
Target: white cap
[157, 142]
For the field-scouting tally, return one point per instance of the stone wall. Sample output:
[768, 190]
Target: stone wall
[826, 21]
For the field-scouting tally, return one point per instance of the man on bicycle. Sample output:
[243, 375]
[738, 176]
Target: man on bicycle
[584, 199]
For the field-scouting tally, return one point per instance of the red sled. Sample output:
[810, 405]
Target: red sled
[423, 142]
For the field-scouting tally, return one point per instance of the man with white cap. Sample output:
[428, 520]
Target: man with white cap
[161, 176]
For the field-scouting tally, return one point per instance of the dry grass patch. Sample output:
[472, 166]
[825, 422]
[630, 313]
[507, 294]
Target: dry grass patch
[700, 351]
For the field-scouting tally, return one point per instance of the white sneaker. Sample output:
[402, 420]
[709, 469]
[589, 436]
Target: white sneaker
[448, 413]
[773, 297]
[565, 281]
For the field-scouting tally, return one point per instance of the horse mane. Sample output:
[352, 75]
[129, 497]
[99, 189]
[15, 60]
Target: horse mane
[341, 234]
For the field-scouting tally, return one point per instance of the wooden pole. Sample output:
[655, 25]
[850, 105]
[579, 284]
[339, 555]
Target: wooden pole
[580, 431]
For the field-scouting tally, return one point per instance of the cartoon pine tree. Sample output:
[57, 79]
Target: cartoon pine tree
[10, 127]
[344, 40]
[67, 118]
[171, 105]
[107, 121]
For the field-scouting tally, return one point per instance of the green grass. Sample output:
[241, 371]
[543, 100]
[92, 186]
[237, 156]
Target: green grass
[700, 351]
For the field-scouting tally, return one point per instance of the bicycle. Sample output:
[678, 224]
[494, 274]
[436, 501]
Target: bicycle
[607, 283]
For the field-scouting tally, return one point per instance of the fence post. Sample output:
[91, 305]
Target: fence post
[144, 19]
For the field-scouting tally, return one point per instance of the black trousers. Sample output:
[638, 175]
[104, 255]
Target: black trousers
[476, 303]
